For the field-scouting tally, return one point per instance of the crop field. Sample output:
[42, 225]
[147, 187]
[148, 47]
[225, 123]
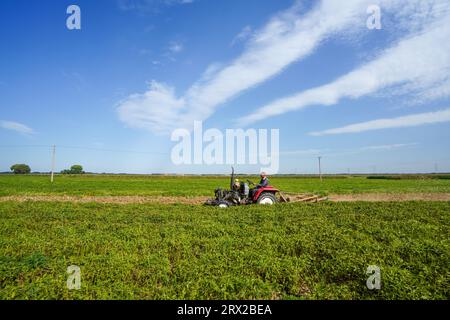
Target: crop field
[186, 251]
[125, 185]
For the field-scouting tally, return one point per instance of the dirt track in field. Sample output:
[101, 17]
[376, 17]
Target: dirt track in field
[368, 197]
[375, 197]
[108, 199]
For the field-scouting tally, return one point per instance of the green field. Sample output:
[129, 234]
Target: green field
[308, 251]
[162, 251]
[115, 185]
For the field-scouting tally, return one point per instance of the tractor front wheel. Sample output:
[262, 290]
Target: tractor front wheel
[267, 198]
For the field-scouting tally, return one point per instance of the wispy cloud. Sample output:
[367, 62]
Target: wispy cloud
[175, 47]
[245, 33]
[305, 152]
[286, 38]
[148, 6]
[144, 52]
[418, 64]
[17, 127]
[312, 153]
[400, 122]
[388, 146]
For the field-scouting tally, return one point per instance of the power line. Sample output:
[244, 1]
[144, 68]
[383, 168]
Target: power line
[25, 146]
[84, 148]
[113, 150]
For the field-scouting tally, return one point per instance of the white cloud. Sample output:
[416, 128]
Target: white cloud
[418, 64]
[148, 5]
[313, 153]
[286, 38]
[175, 47]
[388, 146]
[15, 126]
[245, 33]
[400, 122]
[135, 112]
[303, 152]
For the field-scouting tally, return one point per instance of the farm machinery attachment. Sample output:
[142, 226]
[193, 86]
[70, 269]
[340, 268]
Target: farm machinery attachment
[240, 193]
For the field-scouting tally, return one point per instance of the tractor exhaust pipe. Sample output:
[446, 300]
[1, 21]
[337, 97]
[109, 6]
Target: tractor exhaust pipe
[232, 178]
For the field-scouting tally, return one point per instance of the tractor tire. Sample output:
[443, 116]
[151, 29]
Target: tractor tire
[267, 198]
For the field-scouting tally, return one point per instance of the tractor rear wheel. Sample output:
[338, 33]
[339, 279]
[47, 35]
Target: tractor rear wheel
[267, 198]
[223, 204]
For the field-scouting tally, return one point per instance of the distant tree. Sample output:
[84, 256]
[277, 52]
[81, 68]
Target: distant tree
[20, 169]
[76, 169]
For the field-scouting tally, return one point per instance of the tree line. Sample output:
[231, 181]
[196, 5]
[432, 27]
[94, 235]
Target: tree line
[21, 168]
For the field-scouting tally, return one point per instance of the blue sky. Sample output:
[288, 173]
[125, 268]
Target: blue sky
[109, 95]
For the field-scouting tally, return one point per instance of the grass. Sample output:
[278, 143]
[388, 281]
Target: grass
[291, 251]
[115, 185]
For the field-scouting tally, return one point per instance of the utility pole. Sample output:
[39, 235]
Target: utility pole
[53, 162]
[320, 170]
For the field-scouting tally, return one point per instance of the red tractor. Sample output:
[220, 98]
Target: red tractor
[242, 194]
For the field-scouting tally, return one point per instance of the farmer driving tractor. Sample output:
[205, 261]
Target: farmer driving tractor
[264, 182]
[262, 193]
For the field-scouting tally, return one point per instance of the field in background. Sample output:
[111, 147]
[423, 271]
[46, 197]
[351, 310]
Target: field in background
[183, 251]
[123, 185]
[291, 251]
